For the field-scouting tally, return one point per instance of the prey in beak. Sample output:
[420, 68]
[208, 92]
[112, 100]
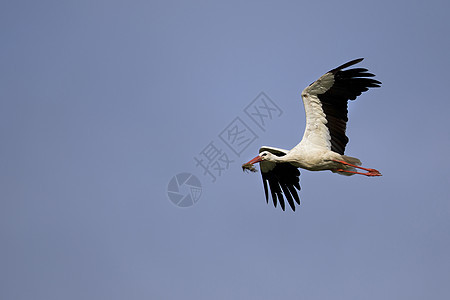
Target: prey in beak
[249, 166]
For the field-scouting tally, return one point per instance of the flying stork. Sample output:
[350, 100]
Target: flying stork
[323, 144]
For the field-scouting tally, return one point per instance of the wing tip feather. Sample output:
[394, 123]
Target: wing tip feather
[347, 64]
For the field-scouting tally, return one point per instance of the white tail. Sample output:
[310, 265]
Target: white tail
[350, 160]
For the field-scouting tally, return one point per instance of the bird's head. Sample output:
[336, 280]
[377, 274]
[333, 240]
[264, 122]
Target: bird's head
[266, 156]
[263, 156]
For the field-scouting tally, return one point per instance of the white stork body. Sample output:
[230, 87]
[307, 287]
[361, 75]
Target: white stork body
[323, 144]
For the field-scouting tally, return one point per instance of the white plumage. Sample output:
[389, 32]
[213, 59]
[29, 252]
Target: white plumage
[323, 144]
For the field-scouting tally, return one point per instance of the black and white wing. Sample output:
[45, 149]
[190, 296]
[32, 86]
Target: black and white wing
[325, 102]
[282, 178]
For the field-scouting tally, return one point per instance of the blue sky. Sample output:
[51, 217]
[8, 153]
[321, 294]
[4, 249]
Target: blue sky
[104, 102]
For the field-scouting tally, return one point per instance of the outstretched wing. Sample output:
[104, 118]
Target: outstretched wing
[282, 178]
[325, 102]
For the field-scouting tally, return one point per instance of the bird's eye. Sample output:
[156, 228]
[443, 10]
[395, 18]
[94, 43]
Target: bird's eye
[264, 154]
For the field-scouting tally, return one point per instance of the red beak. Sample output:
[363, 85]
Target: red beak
[255, 160]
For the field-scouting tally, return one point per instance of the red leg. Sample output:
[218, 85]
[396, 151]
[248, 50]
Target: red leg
[370, 172]
[354, 172]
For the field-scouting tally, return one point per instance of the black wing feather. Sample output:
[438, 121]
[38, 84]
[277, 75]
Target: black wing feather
[288, 195]
[282, 179]
[348, 84]
[266, 191]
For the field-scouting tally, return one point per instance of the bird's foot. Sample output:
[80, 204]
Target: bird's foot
[372, 172]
